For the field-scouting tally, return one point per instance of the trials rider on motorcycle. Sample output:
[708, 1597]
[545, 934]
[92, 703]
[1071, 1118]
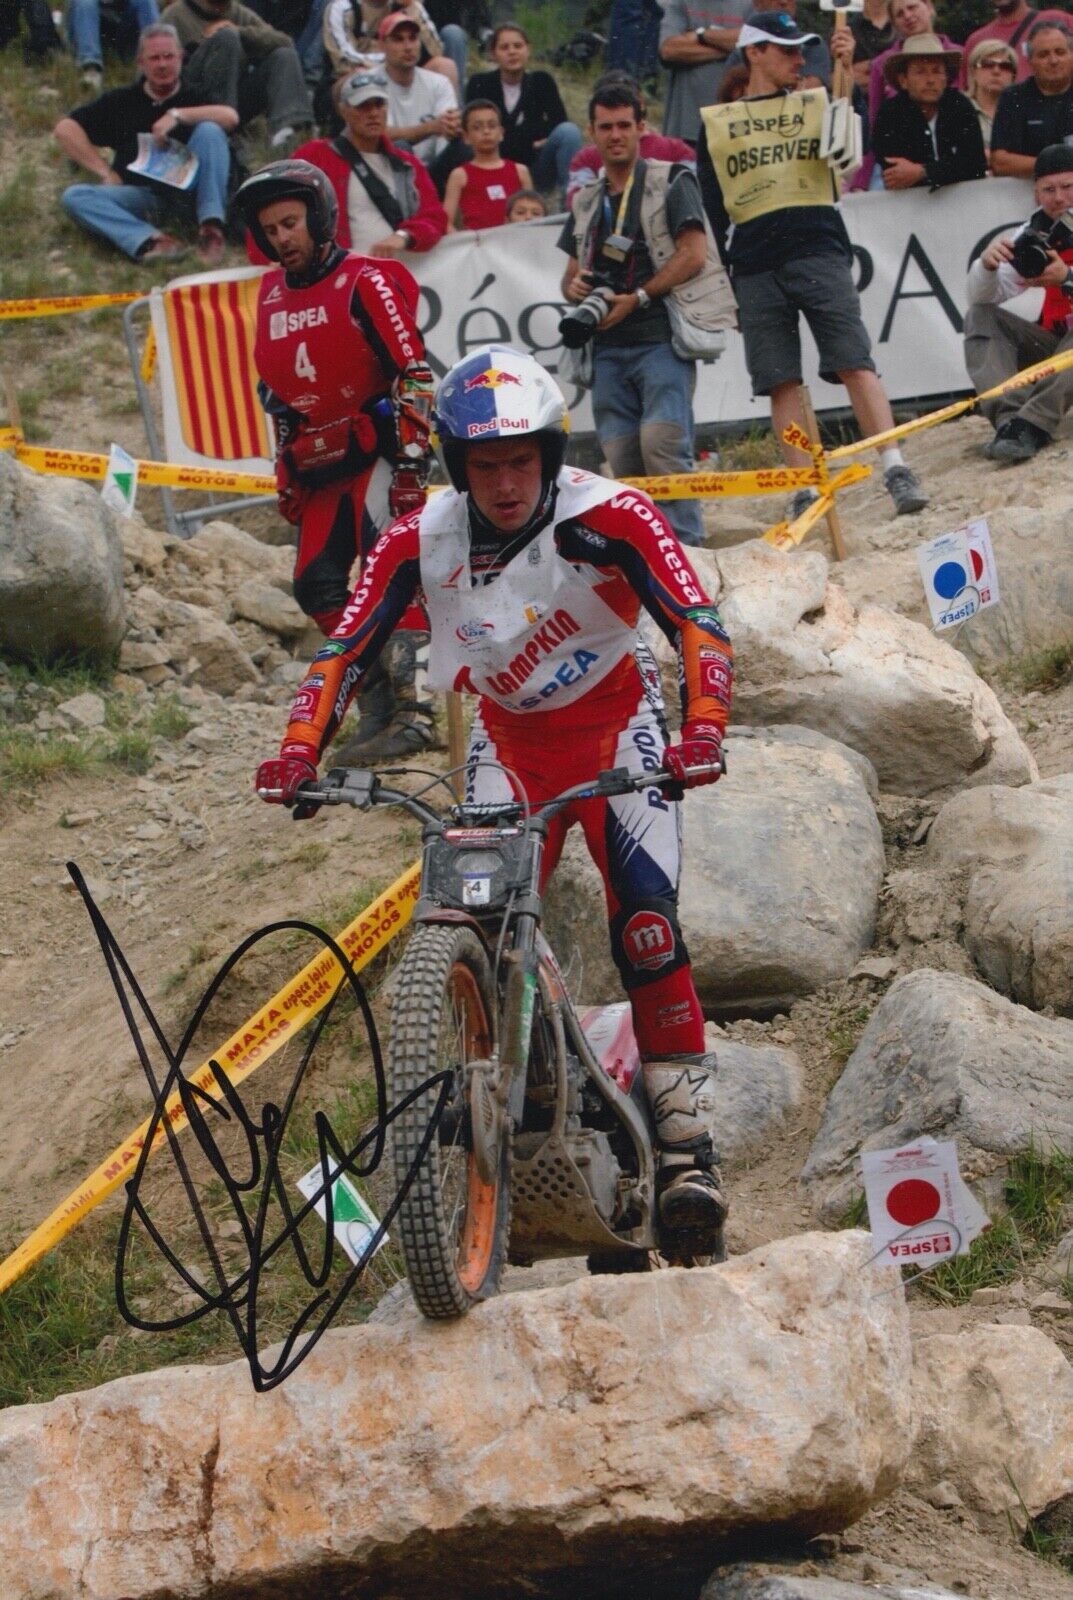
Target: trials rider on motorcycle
[533, 575]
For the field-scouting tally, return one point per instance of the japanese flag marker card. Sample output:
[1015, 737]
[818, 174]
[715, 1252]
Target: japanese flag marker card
[120, 481]
[959, 575]
[919, 1208]
[353, 1222]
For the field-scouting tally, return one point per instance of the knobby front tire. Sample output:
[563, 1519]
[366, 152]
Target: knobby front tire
[452, 1226]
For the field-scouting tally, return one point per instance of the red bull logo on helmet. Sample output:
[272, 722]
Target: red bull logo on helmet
[491, 378]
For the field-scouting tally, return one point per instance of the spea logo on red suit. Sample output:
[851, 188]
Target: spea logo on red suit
[648, 940]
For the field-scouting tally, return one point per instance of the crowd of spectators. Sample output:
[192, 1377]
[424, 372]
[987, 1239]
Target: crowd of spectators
[382, 96]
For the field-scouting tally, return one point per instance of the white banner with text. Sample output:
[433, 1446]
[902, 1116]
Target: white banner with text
[912, 252]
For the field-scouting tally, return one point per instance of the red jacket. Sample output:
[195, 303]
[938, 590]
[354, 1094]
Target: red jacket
[426, 223]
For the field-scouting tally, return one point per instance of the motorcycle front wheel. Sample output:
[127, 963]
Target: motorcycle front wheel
[452, 1225]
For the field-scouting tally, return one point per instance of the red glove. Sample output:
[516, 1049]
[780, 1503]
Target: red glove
[291, 498]
[284, 774]
[700, 746]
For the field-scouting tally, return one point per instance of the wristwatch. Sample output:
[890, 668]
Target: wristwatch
[408, 237]
[700, 32]
[1066, 285]
[644, 299]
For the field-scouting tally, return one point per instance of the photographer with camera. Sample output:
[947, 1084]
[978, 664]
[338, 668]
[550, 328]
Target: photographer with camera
[649, 299]
[998, 343]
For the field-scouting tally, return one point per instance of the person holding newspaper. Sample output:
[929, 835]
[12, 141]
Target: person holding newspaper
[771, 198]
[126, 207]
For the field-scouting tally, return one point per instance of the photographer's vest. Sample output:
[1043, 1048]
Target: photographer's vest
[706, 301]
[766, 153]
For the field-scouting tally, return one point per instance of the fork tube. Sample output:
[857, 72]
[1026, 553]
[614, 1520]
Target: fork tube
[520, 990]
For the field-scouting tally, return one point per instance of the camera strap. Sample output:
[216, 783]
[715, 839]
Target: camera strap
[623, 231]
[378, 191]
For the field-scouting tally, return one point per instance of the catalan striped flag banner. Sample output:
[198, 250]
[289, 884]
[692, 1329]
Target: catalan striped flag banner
[204, 329]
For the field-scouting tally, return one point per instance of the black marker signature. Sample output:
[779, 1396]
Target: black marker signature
[259, 1179]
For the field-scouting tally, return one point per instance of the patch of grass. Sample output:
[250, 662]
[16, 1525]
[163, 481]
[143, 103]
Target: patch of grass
[26, 760]
[844, 1030]
[67, 676]
[254, 868]
[131, 749]
[170, 719]
[1037, 1188]
[1046, 670]
[753, 451]
[200, 951]
[855, 1214]
[311, 854]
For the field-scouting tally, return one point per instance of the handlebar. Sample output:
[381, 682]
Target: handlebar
[363, 788]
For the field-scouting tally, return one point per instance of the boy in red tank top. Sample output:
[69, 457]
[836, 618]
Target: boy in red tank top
[478, 192]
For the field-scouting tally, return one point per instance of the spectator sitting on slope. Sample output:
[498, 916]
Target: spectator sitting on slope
[125, 211]
[479, 190]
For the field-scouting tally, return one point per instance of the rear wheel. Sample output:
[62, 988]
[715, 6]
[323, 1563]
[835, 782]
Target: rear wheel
[453, 1225]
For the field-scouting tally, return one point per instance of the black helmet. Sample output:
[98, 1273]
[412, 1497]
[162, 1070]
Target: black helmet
[289, 180]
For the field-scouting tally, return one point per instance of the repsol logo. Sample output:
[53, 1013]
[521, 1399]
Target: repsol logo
[282, 323]
[557, 628]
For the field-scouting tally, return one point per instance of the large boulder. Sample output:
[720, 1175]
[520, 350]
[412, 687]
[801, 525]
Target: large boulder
[1035, 609]
[883, 685]
[61, 568]
[995, 1418]
[749, 1582]
[782, 866]
[583, 1439]
[946, 1056]
[1013, 848]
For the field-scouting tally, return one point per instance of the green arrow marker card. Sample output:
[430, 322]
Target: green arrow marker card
[120, 481]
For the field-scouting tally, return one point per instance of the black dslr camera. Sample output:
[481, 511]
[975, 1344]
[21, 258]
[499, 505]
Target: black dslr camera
[1032, 249]
[577, 326]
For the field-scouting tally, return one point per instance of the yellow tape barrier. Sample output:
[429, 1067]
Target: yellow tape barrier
[60, 305]
[255, 1041]
[1020, 380]
[160, 474]
[157, 474]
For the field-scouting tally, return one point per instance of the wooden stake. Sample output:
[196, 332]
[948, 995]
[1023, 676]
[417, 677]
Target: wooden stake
[456, 742]
[812, 428]
[841, 75]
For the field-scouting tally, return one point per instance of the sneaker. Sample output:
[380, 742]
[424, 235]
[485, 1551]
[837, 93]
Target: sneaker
[902, 486]
[91, 78]
[693, 1201]
[164, 247]
[1017, 440]
[799, 503]
[211, 244]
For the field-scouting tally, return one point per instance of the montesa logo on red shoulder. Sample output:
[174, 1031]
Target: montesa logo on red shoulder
[649, 941]
[282, 323]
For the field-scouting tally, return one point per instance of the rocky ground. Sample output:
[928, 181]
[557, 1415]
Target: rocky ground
[184, 861]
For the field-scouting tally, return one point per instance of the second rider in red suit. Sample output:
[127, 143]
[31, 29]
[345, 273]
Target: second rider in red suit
[343, 376]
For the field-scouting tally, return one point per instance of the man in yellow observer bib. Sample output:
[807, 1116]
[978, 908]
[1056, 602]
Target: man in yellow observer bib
[771, 201]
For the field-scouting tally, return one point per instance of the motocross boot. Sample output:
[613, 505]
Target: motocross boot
[412, 727]
[691, 1189]
[376, 706]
